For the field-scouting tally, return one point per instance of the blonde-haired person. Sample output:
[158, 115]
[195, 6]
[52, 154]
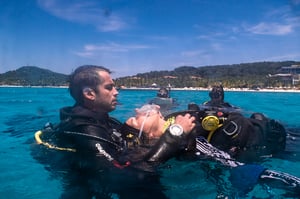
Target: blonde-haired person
[149, 133]
[148, 127]
[246, 139]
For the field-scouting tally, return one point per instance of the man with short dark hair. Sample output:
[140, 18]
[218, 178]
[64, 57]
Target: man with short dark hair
[89, 150]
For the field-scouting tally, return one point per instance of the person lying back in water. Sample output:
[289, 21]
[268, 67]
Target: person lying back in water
[246, 139]
[145, 130]
[148, 125]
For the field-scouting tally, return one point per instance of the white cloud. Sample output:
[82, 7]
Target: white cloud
[90, 50]
[85, 12]
[280, 21]
[271, 29]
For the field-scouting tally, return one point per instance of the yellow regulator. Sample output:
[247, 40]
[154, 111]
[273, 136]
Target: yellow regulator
[210, 123]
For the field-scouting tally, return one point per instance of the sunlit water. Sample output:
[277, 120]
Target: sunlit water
[25, 110]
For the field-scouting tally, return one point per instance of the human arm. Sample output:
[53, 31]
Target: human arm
[170, 143]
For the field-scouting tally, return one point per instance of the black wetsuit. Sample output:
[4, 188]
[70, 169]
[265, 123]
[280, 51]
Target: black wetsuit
[218, 104]
[246, 139]
[249, 139]
[102, 165]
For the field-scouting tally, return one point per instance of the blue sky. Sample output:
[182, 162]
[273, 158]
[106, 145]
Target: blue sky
[136, 36]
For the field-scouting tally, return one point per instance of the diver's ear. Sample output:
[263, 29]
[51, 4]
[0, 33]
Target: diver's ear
[89, 93]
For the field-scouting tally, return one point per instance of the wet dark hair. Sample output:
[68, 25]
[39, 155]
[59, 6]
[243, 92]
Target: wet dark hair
[216, 92]
[85, 76]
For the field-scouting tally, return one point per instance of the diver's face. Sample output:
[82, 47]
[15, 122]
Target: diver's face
[106, 97]
[150, 121]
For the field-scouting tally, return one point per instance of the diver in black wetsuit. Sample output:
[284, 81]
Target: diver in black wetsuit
[87, 151]
[164, 100]
[217, 102]
[267, 137]
[217, 97]
[163, 93]
[246, 139]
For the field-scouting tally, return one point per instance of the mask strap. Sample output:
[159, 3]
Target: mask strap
[142, 127]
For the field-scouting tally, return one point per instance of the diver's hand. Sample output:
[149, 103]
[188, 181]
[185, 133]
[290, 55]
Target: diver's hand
[187, 122]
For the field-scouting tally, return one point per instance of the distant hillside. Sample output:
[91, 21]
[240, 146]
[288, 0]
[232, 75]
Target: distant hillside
[245, 75]
[33, 76]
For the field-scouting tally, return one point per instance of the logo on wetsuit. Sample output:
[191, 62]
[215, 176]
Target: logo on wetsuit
[103, 152]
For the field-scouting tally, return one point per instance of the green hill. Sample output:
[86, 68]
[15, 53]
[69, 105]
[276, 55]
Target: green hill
[33, 76]
[245, 75]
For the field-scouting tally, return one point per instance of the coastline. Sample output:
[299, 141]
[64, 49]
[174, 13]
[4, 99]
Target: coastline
[15, 86]
[287, 90]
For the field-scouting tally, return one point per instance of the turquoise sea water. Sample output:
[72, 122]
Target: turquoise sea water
[25, 110]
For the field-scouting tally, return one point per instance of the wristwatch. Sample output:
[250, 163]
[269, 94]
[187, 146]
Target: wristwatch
[176, 129]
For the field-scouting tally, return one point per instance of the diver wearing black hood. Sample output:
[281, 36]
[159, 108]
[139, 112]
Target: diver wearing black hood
[217, 98]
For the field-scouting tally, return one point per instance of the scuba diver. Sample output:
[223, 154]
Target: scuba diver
[164, 100]
[163, 93]
[245, 139]
[217, 102]
[86, 149]
[217, 97]
[143, 130]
